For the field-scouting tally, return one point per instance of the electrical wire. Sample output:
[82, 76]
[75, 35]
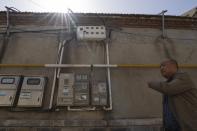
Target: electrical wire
[63, 29]
[141, 35]
[45, 31]
[153, 36]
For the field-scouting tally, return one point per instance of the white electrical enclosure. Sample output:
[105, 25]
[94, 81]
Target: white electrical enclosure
[91, 32]
[32, 91]
[8, 89]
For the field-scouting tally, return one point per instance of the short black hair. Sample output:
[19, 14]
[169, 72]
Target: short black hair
[173, 61]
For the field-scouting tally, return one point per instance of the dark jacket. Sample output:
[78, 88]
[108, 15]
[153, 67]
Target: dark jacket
[182, 99]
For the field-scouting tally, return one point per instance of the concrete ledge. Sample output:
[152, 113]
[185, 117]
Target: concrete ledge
[86, 123]
[135, 128]
[135, 122]
[81, 123]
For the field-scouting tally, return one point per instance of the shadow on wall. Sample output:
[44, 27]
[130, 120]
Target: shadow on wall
[166, 45]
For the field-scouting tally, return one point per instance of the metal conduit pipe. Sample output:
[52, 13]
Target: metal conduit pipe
[78, 65]
[108, 78]
[69, 108]
[89, 65]
[6, 36]
[54, 78]
[8, 21]
[61, 57]
[163, 22]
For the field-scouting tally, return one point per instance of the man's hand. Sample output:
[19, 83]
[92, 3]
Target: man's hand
[154, 84]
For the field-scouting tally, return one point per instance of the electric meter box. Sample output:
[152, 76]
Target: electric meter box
[8, 89]
[81, 78]
[91, 33]
[99, 94]
[81, 94]
[32, 91]
[65, 89]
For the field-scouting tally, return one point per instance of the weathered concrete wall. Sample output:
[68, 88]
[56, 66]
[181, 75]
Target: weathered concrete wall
[132, 99]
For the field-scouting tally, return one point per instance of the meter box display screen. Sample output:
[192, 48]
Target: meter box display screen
[7, 80]
[8, 89]
[33, 81]
[65, 89]
[32, 91]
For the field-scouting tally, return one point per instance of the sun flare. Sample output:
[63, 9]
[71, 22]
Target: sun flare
[63, 5]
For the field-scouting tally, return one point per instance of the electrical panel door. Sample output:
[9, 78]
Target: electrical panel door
[32, 91]
[81, 94]
[8, 89]
[99, 94]
[65, 89]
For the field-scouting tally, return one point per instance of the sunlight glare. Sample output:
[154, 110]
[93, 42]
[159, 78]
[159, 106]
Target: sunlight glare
[63, 5]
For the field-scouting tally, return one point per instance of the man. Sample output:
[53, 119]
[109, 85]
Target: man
[180, 98]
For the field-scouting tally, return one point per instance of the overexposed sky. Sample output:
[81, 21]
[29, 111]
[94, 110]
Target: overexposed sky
[174, 7]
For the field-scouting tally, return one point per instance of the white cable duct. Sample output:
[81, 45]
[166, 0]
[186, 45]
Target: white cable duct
[54, 77]
[108, 79]
[61, 57]
[69, 108]
[80, 65]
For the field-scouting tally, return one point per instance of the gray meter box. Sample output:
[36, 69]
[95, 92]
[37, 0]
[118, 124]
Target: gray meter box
[32, 91]
[65, 90]
[81, 94]
[81, 78]
[8, 89]
[99, 94]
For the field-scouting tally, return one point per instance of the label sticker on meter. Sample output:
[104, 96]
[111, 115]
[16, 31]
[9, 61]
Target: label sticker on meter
[26, 95]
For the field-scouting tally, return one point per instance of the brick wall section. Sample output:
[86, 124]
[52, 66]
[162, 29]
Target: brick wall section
[114, 20]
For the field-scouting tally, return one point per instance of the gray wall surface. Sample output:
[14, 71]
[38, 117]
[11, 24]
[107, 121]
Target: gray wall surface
[132, 99]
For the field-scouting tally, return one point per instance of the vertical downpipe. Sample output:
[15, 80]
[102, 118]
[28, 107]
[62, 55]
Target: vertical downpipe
[108, 78]
[163, 23]
[54, 78]
[6, 36]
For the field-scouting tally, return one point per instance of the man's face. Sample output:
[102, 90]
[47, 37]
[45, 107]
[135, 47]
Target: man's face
[168, 69]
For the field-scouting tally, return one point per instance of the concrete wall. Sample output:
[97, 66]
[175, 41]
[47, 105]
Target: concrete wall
[135, 106]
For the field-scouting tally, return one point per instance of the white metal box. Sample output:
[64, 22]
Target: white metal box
[8, 89]
[32, 91]
[65, 89]
[99, 94]
[91, 32]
